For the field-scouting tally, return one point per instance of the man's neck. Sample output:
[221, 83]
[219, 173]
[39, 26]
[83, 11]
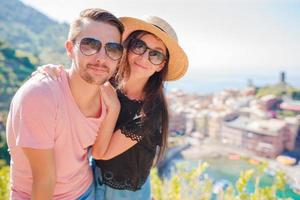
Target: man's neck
[87, 96]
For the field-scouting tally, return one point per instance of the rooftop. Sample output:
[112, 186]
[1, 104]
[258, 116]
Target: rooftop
[269, 127]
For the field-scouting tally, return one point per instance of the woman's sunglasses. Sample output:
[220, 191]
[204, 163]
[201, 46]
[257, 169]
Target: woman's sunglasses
[139, 47]
[91, 46]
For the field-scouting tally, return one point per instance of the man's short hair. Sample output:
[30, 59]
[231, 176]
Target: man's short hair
[95, 14]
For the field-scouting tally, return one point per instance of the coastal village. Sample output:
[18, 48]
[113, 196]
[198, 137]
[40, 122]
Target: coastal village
[237, 123]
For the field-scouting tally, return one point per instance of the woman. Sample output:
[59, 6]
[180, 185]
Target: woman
[124, 155]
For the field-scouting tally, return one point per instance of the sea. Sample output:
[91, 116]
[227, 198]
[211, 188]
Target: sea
[207, 83]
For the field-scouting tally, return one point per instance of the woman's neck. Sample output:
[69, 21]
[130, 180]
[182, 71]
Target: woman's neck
[134, 88]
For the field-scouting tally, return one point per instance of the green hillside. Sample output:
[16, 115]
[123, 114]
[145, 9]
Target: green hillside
[27, 29]
[278, 90]
[15, 67]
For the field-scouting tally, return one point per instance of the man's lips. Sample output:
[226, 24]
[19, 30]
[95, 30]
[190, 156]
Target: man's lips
[99, 70]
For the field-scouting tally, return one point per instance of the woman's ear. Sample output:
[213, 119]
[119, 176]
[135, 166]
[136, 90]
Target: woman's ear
[160, 67]
[69, 48]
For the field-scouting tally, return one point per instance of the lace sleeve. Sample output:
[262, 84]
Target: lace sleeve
[134, 129]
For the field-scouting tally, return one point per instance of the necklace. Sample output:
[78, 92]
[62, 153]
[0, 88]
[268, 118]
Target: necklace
[138, 100]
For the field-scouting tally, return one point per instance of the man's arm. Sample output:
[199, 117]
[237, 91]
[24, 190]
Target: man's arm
[43, 172]
[34, 114]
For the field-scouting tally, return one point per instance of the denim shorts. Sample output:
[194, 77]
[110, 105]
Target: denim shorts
[89, 194]
[104, 192]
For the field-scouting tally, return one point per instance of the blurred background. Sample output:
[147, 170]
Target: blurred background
[236, 110]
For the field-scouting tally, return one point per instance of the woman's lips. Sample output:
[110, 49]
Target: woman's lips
[141, 66]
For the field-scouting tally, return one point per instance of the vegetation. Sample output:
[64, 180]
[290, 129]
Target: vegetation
[4, 182]
[25, 28]
[278, 90]
[15, 67]
[190, 184]
[4, 170]
[4, 155]
[286, 113]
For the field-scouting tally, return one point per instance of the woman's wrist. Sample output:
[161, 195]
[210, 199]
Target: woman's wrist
[113, 112]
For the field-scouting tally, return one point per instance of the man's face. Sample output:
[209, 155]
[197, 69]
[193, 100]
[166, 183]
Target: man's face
[99, 67]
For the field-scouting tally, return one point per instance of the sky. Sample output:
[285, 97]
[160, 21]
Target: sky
[219, 36]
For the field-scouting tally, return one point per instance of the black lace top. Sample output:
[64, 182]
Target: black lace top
[130, 169]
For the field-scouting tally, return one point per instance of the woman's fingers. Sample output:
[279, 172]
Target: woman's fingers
[50, 70]
[110, 96]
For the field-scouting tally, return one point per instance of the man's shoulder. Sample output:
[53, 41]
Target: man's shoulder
[37, 87]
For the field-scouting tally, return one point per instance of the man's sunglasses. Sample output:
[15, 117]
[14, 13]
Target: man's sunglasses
[91, 46]
[139, 47]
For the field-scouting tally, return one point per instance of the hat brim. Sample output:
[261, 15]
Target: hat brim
[178, 61]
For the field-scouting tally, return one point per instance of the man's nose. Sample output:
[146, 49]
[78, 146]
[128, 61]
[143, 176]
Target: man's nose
[101, 55]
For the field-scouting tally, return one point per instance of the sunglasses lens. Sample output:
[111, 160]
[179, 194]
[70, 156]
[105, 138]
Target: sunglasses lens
[114, 50]
[156, 57]
[90, 46]
[138, 46]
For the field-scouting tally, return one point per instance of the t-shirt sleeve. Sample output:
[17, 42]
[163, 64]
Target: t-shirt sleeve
[134, 129]
[34, 117]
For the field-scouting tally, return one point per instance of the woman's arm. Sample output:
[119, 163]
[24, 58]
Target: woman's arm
[118, 144]
[105, 134]
[110, 144]
[107, 127]
[122, 139]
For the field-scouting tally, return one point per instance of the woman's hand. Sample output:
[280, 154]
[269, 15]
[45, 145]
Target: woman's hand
[106, 129]
[51, 70]
[110, 98]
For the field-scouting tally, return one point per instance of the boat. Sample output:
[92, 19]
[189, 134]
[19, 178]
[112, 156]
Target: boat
[296, 188]
[234, 157]
[286, 160]
[220, 185]
[270, 171]
[253, 161]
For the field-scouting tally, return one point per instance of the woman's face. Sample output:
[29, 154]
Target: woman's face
[144, 65]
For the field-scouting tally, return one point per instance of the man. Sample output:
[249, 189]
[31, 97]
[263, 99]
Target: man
[52, 123]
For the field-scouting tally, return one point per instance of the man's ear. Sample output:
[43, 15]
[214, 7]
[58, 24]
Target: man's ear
[69, 48]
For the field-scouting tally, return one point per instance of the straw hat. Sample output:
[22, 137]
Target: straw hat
[178, 61]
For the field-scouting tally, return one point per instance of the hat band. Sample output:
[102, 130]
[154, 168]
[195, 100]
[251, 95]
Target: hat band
[159, 28]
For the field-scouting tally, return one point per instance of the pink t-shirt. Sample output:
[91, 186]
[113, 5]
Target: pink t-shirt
[44, 115]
